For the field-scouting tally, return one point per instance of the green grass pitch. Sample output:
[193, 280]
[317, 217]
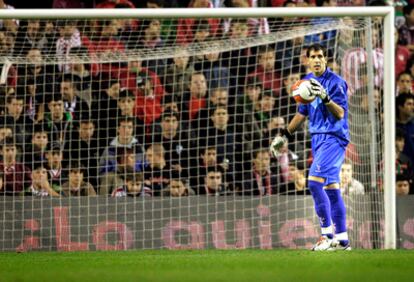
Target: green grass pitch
[209, 265]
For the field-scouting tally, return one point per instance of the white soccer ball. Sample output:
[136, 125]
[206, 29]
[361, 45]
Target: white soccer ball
[302, 92]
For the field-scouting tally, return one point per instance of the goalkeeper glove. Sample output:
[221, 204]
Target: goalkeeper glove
[279, 142]
[318, 90]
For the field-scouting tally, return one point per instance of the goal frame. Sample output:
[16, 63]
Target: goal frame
[389, 84]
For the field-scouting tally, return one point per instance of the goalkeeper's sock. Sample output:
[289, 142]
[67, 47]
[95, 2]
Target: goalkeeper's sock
[338, 212]
[322, 207]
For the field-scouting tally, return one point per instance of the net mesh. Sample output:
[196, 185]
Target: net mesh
[154, 117]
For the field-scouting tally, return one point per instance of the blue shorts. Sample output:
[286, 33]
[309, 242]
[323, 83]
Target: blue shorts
[328, 155]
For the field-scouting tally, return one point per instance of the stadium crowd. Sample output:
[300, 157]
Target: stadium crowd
[182, 125]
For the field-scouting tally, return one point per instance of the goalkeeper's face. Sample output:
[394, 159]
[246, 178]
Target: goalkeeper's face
[317, 62]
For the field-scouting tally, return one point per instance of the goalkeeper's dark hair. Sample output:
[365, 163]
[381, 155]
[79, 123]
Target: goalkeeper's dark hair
[316, 47]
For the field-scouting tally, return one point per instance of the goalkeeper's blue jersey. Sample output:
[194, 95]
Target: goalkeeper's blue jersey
[321, 121]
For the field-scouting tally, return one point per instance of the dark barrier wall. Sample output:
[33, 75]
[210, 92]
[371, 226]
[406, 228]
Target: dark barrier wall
[99, 223]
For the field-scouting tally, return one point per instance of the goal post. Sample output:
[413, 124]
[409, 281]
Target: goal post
[216, 212]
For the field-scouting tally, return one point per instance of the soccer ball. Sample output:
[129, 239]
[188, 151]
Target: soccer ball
[301, 92]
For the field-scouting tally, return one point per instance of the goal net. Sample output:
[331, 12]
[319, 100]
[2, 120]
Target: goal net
[154, 133]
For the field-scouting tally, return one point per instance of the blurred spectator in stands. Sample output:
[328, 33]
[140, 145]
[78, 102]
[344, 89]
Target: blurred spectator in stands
[288, 52]
[178, 187]
[77, 185]
[196, 98]
[110, 4]
[15, 116]
[126, 108]
[16, 175]
[59, 122]
[219, 98]
[257, 26]
[148, 104]
[57, 174]
[286, 105]
[178, 73]
[6, 130]
[168, 26]
[104, 109]
[79, 68]
[403, 162]
[133, 187]
[69, 37]
[406, 34]
[404, 83]
[82, 147]
[114, 174]
[175, 141]
[349, 185]
[402, 55]
[31, 35]
[157, 172]
[40, 186]
[125, 139]
[35, 151]
[214, 183]
[208, 157]
[354, 64]
[296, 183]
[34, 99]
[259, 180]
[265, 70]
[77, 106]
[251, 94]
[187, 28]
[1, 182]
[150, 39]
[402, 185]
[8, 24]
[405, 121]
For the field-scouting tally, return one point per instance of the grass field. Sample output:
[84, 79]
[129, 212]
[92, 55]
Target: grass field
[210, 265]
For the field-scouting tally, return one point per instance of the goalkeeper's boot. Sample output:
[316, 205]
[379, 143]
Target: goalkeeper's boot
[323, 244]
[338, 246]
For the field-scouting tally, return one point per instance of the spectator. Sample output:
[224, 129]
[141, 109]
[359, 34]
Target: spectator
[79, 68]
[6, 130]
[157, 173]
[404, 83]
[296, 183]
[77, 106]
[403, 162]
[187, 28]
[69, 37]
[196, 98]
[214, 184]
[125, 139]
[174, 140]
[260, 180]
[134, 187]
[58, 121]
[406, 36]
[405, 121]
[15, 116]
[349, 185]
[178, 188]
[178, 73]
[76, 185]
[35, 151]
[251, 94]
[265, 70]
[16, 175]
[402, 185]
[8, 24]
[113, 175]
[219, 98]
[31, 35]
[83, 148]
[402, 55]
[126, 108]
[286, 105]
[168, 26]
[41, 186]
[57, 175]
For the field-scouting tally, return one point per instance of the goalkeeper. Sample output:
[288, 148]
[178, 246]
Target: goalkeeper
[328, 126]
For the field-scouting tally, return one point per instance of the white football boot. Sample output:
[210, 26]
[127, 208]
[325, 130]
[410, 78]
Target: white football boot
[324, 244]
[336, 246]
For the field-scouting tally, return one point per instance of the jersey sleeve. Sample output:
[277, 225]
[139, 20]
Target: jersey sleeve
[338, 93]
[303, 109]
